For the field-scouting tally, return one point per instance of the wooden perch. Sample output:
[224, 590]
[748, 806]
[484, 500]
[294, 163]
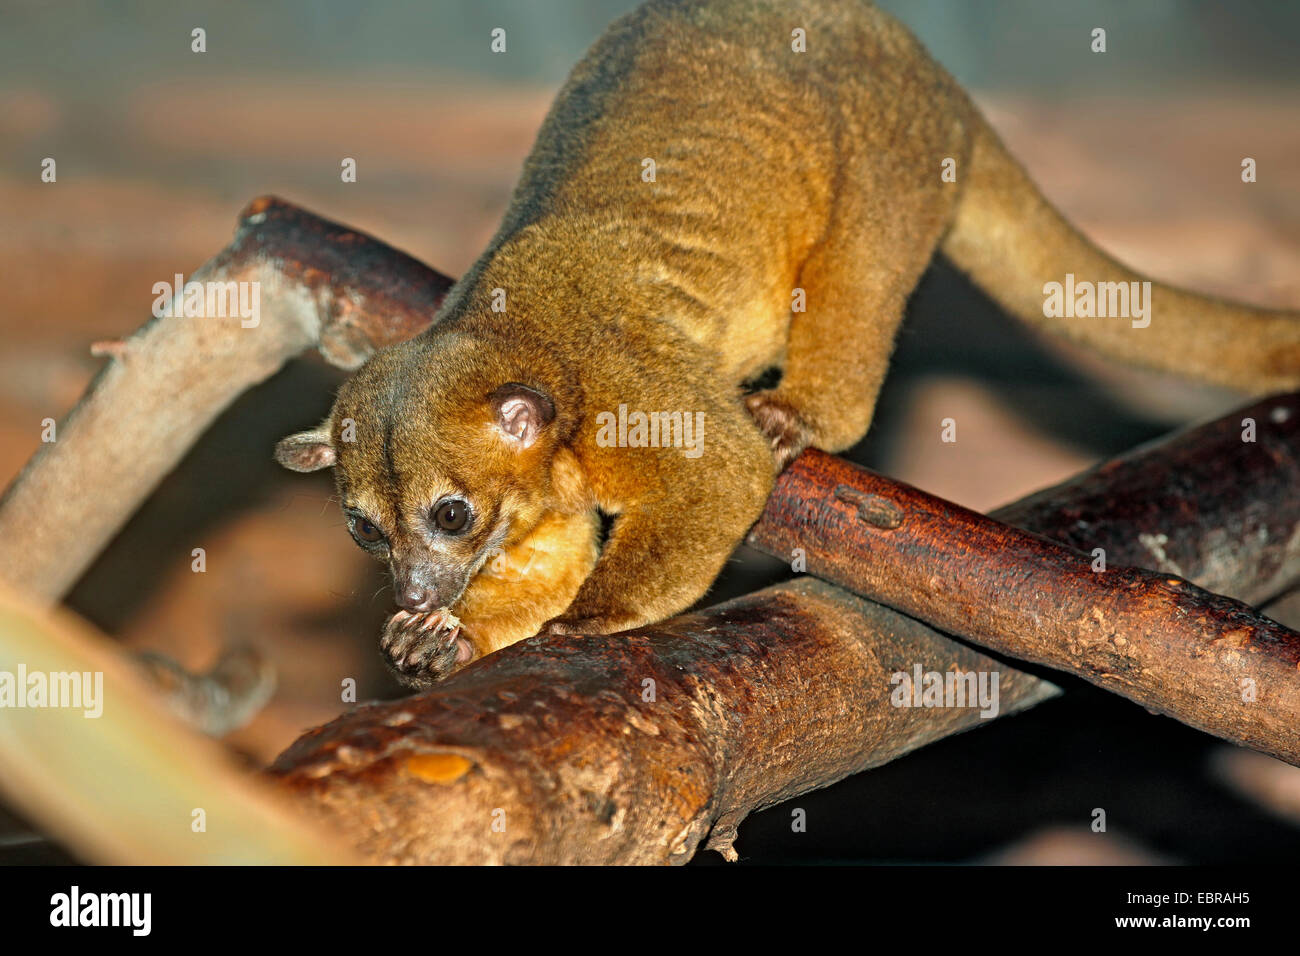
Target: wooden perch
[632, 748]
[320, 284]
[559, 749]
[1202, 504]
[115, 778]
[1155, 638]
[358, 295]
[783, 691]
[222, 699]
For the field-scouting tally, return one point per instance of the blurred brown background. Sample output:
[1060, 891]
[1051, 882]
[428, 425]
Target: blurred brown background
[158, 148]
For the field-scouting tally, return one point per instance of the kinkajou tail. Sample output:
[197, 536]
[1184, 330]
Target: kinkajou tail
[1013, 244]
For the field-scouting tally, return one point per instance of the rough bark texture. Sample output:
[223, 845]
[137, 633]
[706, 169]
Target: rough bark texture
[1202, 504]
[321, 284]
[1205, 659]
[632, 748]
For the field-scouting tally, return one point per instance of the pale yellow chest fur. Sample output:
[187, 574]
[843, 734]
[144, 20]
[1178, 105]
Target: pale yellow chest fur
[518, 590]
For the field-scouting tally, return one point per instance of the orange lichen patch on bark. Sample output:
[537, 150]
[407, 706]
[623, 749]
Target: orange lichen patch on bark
[439, 768]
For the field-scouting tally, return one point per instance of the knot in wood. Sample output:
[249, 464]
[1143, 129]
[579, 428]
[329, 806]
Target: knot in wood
[874, 510]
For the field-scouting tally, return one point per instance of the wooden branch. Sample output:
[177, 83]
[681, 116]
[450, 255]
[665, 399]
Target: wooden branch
[357, 294]
[320, 284]
[555, 733]
[115, 778]
[787, 690]
[1207, 660]
[632, 748]
[222, 699]
[1202, 504]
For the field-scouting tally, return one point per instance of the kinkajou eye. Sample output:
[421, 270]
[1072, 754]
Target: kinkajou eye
[452, 516]
[366, 532]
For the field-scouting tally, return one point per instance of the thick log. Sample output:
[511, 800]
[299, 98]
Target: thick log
[1208, 660]
[320, 284]
[632, 748]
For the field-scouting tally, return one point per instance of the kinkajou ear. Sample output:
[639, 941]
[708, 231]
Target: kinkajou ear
[307, 451]
[521, 412]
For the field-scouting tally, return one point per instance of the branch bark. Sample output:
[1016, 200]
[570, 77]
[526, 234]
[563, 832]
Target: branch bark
[1202, 504]
[632, 748]
[350, 294]
[323, 285]
[1208, 660]
[790, 689]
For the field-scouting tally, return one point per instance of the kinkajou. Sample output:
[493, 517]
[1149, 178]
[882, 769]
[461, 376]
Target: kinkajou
[708, 199]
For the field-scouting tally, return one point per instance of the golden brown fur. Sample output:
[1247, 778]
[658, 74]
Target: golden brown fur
[775, 170]
[529, 583]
